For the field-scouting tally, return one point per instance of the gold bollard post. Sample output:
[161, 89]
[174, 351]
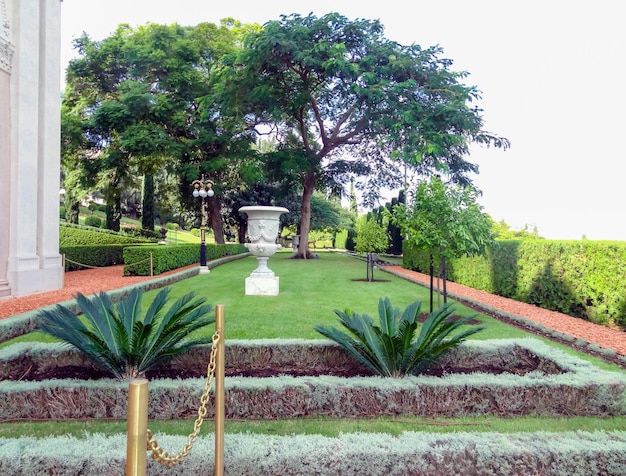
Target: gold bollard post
[219, 392]
[137, 435]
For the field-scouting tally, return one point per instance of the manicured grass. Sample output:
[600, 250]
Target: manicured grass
[180, 237]
[309, 291]
[324, 426]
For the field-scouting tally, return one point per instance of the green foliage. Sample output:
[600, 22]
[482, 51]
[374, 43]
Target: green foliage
[371, 237]
[123, 340]
[340, 238]
[94, 221]
[392, 348]
[351, 240]
[147, 206]
[152, 235]
[137, 259]
[332, 83]
[444, 219]
[503, 231]
[131, 105]
[76, 256]
[581, 278]
[75, 235]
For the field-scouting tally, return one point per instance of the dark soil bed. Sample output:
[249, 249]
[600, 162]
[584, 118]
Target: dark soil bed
[185, 369]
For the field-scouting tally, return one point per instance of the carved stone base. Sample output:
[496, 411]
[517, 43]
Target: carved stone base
[266, 286]
[204, 270]
[5, 289]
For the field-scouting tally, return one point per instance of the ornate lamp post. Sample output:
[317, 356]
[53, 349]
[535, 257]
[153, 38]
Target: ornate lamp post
[203, 188]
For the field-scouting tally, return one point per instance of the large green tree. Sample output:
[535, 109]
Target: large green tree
[341, 100]
[136, 97]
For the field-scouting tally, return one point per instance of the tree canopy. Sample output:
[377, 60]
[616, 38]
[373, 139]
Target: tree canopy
[445, 220]
[341, 100]
[131, 108]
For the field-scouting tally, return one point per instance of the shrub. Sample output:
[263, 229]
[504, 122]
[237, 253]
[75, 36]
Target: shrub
[122, 341]
[350, 239]
[70, 234]
[580, 278]
[391, 348]
[93, 220]
[141, 232]
[98, 256]
[166, 258]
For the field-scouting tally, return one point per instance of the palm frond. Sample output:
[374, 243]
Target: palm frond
[129, 309]
[100, 315]
[353, 346]
[156, 306]
[392, 349]
[119, 339]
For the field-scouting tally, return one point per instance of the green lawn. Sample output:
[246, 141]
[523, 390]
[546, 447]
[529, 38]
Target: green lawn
[309, 291]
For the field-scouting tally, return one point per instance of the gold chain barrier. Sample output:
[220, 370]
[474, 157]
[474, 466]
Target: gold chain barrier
[138, 414]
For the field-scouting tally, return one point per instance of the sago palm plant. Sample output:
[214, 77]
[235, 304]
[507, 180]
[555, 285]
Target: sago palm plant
[394, 347]
[124, 340]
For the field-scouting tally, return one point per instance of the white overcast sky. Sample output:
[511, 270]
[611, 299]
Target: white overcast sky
[551, 74]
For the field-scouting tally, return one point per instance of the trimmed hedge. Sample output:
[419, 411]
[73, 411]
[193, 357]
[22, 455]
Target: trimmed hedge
[580, 389]
[166, 258]
[96, 256]
[585, 279]
[372, 454]
[77, 235]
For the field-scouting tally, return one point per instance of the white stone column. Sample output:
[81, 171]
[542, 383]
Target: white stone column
[49, 139]
[6, 60]
[34, 263]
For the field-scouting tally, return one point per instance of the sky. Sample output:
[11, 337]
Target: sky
[550, 73]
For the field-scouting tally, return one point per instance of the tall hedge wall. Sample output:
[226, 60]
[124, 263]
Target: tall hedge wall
[584, 279]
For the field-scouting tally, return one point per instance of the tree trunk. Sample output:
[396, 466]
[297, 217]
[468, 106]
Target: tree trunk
[147, 203]
[445, 279]
[242, 228]
[432, 272]
[114, 214]
[215, 219]
[305, 217]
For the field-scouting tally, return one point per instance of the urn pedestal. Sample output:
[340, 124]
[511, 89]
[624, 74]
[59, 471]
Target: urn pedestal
[263, 224]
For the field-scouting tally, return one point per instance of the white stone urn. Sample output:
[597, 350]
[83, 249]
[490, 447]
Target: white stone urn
[263, 224]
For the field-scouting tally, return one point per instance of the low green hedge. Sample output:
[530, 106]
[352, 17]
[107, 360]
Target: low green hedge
[168, 257]
[584, 279]
[76, 257]
[79, 235]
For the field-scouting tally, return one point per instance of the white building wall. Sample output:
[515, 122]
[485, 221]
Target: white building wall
[33, 259]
